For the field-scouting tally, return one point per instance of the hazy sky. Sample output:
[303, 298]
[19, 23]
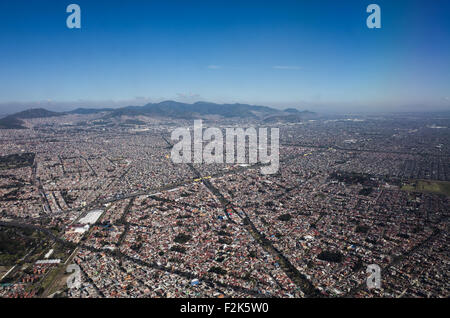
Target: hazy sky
[318, 55]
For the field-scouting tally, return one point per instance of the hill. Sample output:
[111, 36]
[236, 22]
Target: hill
[10, 122]
[15, 121]
[36, 113]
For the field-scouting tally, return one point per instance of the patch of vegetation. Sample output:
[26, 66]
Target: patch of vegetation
[285, 217]
[440, 187]
[182, 238]
[175, 260]
[15, 244]
[136, 247]
[18, 160]
[353, 178]
[217, 270]
[417, 229]
[365, 191]
[358, 266]
[225, 240]
[178, 248]
[328, 256]
[185, 216]
[321, 195]
[220, 259]
[362, 229]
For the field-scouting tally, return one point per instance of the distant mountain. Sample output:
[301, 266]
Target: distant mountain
[87, 111]
[292, 117]
[15, 121]
[187, 111]
[169, 109]
[291, 110]
[36, 113]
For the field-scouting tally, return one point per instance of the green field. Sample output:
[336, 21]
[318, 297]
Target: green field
[441, 187]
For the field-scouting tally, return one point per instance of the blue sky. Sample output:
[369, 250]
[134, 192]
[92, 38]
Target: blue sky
[316, 55]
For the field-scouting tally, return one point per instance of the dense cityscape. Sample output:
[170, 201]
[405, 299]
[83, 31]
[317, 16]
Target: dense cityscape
[104, 194]
[214, 157]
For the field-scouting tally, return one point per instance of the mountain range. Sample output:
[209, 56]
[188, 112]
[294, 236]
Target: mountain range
[168, 109]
